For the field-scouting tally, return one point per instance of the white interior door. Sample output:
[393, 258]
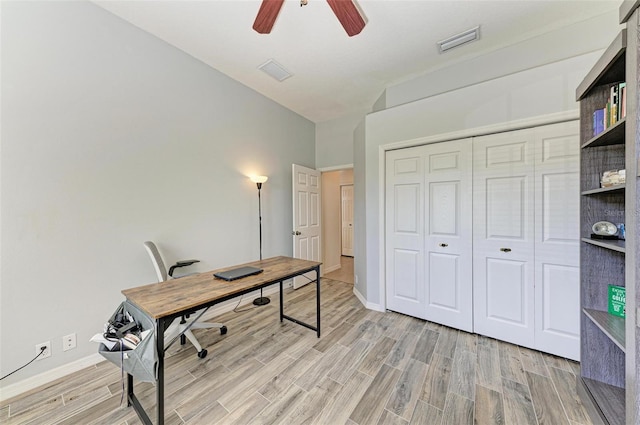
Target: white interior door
[557, 203]
[404, 230]
[306, 219]
[448, 234]
[346, 208]
[429, 233]
[503, 236]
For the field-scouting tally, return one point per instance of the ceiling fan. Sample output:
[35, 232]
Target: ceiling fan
[345, 10]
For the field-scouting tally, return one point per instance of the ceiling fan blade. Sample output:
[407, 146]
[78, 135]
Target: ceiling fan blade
[348, 15]
[267, 15]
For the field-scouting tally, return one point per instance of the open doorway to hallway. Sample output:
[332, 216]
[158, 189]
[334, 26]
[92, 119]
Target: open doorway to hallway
[337, 224]
[344, 273]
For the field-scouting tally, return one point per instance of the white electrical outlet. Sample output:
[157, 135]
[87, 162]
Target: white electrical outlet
[47, 350]
[69, 342]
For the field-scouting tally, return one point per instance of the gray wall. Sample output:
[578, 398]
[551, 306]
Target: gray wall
[359, 210]
[334, 140]
[111, 137]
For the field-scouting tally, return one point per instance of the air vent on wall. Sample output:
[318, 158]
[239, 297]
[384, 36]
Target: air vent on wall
[275, 70]
[459, 39]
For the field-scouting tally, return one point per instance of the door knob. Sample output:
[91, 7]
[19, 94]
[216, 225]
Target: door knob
[505, 249]
[296, 233]
[444, 245]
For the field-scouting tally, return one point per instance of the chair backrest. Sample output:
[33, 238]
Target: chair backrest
[156, 259]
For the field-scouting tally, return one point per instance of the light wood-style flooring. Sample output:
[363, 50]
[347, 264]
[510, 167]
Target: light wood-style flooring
[345, 272]
[368, 368]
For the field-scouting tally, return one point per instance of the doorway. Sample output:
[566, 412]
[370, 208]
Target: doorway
[335, 231]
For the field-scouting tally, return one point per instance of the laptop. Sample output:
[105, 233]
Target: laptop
[238, 273]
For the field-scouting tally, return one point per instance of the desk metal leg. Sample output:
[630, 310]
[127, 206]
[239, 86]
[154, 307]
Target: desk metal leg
[130, 393]
[294, 320]
[318, 300]
[132, 400]
[160, 382]
[281, 303]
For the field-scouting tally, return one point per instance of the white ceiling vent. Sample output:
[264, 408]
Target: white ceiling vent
[275, 70]
[459, 39]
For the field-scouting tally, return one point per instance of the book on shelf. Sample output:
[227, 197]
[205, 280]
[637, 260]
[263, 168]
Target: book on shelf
[614, 110]
[598, 121]
[623, 100]
[617, 300]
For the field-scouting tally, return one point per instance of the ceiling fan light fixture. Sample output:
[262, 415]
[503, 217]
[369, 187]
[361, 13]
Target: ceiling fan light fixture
[465, 37]
[275, 70]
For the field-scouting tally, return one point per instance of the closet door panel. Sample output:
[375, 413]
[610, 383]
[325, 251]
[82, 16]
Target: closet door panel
[448, 241]
[405, 289]
[506, 280]
[503, 236]
[557, 289]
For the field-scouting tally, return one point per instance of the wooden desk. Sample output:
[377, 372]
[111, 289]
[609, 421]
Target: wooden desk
[169, 300]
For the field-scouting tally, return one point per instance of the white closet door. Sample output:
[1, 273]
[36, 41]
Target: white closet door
[557, 202]
[405, 232]
[503, 236]
[448, 234]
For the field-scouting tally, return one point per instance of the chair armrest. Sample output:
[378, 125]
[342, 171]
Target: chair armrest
[181, 263]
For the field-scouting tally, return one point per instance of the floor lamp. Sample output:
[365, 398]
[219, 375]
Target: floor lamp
[258, 180]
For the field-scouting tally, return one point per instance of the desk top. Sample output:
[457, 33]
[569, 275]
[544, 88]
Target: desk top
[186, 293]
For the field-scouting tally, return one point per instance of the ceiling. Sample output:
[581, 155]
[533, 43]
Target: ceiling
[335, 75]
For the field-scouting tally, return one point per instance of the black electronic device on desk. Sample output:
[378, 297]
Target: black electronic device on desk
[238, 273]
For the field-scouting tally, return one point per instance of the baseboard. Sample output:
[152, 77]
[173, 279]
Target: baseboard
[326, 270]
[43, 378]
[367, 304]
[20, 387]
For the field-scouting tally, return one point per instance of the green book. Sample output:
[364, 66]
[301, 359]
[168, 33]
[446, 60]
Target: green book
[617, 300]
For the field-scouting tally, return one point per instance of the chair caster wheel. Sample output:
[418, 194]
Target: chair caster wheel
[223, 330]
[202, 354]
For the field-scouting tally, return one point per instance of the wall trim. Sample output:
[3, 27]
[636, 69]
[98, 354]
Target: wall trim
[331, 269]
[335, 168]
[43, 378]
[520, 124]
[365, 303]
[20, 387]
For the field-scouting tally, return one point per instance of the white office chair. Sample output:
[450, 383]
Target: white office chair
[179, 328]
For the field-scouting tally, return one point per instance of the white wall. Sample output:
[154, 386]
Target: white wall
[573, 40]
[111, 137]
[540, 91]
[332, 182]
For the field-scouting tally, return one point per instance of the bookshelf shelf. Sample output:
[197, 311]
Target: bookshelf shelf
[614, 245]
[612, 326]
[609, 399]
[616, 188]
[611, 136]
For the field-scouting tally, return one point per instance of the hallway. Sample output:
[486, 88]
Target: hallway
[344, 273]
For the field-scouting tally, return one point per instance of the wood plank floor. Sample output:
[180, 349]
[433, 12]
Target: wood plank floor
[368, 368]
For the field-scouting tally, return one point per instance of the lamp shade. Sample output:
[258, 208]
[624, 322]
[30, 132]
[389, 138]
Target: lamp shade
[259, 179]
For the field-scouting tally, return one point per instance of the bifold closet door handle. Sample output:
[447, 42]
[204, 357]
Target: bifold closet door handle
[444, 245]
[505, 249]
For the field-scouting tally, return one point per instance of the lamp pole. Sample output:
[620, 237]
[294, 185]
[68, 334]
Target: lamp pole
[258, 181]
[260, 217]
